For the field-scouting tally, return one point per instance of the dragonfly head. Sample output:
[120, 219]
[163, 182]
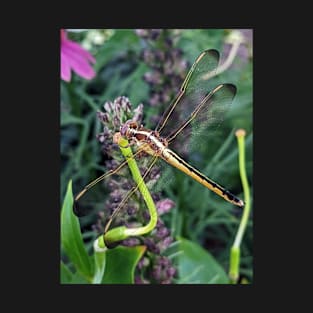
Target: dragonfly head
[126, 128]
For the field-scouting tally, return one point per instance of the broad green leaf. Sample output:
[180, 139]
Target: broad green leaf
[71, 237]
[121, 263]
[197, 266]
[65, 273]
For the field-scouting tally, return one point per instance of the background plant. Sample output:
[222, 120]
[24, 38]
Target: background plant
[140, 64]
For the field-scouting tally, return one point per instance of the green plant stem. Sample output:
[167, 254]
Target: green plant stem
[235, 249]
[122, 232]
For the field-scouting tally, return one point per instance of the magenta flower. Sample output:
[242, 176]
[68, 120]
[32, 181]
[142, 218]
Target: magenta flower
[74, 57]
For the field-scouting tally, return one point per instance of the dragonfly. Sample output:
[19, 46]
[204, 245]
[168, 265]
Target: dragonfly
[199, 107]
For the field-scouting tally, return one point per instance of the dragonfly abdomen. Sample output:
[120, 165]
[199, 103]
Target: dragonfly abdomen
[173, 159]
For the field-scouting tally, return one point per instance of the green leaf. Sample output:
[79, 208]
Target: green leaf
[65, 273]
[71, 238]
[121, 263]
[197, 266]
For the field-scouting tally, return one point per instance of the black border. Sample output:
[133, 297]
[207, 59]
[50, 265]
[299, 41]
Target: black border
[39, 216]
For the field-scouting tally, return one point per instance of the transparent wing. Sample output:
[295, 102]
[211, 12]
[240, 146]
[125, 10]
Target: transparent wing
[193, 90]
[208, 114]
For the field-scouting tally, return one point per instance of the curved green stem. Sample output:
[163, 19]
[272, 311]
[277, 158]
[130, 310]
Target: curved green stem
[235, 249]
[122, 232]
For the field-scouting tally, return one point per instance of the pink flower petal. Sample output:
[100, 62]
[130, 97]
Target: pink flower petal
[75, 47]
[76, 58]
[65, 68]
[79, 64]
[83, 70]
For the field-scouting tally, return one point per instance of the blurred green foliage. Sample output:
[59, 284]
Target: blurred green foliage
[199, 215]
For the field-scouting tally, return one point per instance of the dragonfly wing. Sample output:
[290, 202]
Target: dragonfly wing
[208, 114]
[193, 90]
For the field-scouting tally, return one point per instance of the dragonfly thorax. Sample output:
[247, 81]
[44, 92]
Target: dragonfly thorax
[150, 141]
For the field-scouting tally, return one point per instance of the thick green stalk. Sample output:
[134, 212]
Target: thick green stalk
[122, 232]
[235, 249]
